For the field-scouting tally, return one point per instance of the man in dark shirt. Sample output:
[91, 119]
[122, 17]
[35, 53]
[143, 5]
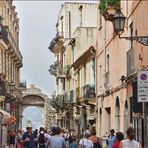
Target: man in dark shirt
[28, 138]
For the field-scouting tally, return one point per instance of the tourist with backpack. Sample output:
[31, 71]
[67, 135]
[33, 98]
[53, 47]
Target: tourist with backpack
[68, 137]
[41, 138]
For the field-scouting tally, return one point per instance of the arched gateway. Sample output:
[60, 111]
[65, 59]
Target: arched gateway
[34, 97]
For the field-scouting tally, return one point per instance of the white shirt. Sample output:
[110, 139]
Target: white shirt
[130, 143]
[87, 143]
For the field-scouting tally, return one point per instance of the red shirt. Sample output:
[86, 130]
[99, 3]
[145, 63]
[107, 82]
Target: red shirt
[116, 145]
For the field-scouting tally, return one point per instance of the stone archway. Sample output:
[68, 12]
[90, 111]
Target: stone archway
[33, 96]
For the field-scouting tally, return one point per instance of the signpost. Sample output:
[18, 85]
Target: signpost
[143, 86]
[143, 92]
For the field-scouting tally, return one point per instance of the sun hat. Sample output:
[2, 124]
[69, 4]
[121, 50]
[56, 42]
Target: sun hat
[29, 125]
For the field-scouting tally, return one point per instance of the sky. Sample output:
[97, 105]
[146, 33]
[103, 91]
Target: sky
[37, 29]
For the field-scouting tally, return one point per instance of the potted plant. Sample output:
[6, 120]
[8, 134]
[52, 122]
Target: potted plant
[108, 8]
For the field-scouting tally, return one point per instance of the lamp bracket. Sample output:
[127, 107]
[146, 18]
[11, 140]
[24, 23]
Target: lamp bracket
[141, 39]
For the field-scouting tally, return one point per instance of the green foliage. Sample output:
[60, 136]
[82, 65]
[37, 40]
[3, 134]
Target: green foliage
[104, 3]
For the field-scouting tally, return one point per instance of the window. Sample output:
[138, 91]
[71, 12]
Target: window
[100, 73]
[84, 74]
[80, 8]
[131, 34]
[107, 63]
[93, 70]
[100, 21]
[61, 26]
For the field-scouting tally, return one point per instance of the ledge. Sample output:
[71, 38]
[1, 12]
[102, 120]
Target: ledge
[84, 57]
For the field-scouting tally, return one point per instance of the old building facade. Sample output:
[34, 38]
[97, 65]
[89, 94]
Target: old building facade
[10, 64]
[74, 67]
[118, 62]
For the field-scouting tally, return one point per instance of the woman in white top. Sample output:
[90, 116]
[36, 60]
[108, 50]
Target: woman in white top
[85, 142]
[130, 142]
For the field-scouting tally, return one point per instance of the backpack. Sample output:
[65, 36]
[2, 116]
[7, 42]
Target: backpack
[41, 138]
[69, 138]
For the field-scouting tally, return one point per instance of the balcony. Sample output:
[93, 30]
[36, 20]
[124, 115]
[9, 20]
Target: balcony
[53, 68]
[56, 44]
[3, 37]
[89, 91]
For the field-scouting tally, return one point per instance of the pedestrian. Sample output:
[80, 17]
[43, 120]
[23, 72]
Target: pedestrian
[56, 141]
[68, 137]
[12, 139]
[119, 137]
[41, 138]
[85, 142]
[36, 136]
[19, 136]
[47, 136]
[28, 138]
[130, 142]
[94, 139]
[74, 144]
[111, 138]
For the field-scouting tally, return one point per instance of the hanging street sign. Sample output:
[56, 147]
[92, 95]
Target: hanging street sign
[142, 86]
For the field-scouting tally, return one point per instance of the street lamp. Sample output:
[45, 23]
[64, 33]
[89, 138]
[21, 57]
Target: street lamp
[119, 23]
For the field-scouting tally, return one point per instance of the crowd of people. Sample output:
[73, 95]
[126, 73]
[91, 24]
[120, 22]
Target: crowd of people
[62, 138]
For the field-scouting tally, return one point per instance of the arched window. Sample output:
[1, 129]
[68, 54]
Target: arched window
[117, 115]
[126, 117]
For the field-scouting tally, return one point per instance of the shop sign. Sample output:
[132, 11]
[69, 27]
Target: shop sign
[143, 86]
